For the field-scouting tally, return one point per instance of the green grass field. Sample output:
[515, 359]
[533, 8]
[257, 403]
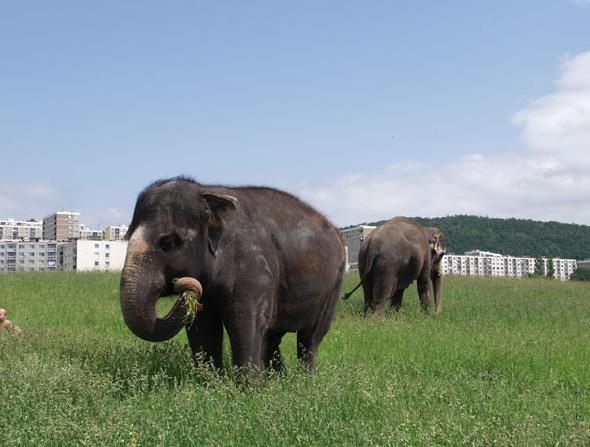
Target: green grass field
[507, 363]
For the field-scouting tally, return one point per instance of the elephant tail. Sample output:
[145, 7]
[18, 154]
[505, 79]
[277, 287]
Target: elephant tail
[365, 276]
[348, 294]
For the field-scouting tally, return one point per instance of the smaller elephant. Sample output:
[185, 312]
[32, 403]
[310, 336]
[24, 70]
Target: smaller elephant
[395, 254]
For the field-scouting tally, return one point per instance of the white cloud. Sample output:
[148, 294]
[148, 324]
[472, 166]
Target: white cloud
[584, 3]
[558, 124]
[548, 180]
[25, 201]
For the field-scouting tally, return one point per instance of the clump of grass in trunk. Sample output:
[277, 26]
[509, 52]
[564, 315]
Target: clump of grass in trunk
[190, 291]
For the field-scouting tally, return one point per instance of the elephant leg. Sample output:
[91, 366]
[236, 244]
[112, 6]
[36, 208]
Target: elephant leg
[273, 358]
[205, 337]
[382, 291]
[424, 292]
[396, 299]
[309, 339]
[306, 349]
[246, 338]
[247, 322]
[368, 293]
[437, 290]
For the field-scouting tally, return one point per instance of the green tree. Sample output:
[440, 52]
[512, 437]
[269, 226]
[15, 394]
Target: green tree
[581, 274]
[550, 269]
[539, 267]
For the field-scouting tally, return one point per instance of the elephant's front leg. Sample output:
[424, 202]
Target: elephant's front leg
[437, 290]
[424, 289]
[205, 337]
[247, 324]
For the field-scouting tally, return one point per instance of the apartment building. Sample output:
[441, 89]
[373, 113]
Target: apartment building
[481, 263]
[21, 229]
[563, 268]
[88, 234]
[61, 226]
[115, 232]
[28, 256]
[88, 255]
[352, 239]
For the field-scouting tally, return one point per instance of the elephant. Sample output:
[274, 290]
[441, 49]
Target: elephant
[268, 263]
[395, 254]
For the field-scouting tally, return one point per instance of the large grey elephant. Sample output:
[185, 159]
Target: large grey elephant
[395, 254]
[268, 264]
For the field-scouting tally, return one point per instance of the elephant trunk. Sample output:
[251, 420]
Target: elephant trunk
[141, 287]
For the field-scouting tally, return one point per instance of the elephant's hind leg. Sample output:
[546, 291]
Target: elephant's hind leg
[307, 346]
[308, 339]
[273, 358]
[368, 293]
[383, 289]
[396, 299]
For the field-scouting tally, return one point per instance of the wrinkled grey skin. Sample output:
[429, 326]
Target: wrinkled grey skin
[394, 255]
[268, 263]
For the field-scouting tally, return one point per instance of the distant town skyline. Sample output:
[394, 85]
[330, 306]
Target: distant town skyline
[365, 110]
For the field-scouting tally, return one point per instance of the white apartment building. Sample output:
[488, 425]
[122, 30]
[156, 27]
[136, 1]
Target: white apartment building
[21, 229]
[88, 255]
[28, 256]
[88, 234]
[61, 226]
[115, 232]
[352, 239]
[563, 268]
[481, 263]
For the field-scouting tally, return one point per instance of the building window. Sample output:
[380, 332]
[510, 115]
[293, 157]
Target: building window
[95, 245]
[96, 263]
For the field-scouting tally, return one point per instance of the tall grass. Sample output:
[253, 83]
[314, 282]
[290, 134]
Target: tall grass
[507, 363]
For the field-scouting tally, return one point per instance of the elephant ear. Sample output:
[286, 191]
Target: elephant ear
[219, 206]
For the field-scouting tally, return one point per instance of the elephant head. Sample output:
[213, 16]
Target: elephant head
[175, 231]
[438, 248]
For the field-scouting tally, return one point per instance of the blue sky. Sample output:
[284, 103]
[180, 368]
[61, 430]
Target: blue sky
[365, 109]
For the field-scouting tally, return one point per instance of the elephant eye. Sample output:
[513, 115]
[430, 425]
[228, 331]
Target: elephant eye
[169, 242]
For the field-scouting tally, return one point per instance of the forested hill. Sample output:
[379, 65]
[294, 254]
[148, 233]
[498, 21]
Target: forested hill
[516, 237]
